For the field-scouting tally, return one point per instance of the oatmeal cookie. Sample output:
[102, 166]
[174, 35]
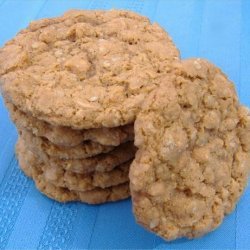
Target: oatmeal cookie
[194, 153]
[85, 69]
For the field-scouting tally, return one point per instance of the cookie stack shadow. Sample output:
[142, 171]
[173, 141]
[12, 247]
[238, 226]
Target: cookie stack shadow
[68, 165]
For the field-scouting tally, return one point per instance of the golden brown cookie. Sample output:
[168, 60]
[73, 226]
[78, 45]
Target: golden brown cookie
[67, 137]
[46, 149]
[85, 69]
[68, 179]
[194, 153]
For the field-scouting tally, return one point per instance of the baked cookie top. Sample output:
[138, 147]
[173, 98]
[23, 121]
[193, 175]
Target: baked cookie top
[194, 152]
[85, 69]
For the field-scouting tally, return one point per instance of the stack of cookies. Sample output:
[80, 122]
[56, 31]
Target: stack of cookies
[87, 165]
[81, 87]
[73, 86]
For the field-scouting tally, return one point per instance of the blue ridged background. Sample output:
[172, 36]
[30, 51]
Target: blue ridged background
[217, 30]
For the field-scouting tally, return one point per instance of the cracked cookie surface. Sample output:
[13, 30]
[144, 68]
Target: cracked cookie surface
[194, 152]
[85, 69]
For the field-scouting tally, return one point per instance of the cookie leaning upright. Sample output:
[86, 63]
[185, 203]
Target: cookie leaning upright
[85, 69]
[194, 152]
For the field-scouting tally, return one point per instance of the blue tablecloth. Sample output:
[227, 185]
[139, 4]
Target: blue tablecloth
[217, 30]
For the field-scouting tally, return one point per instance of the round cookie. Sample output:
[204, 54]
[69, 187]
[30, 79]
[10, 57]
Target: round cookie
[67, 137]
[68, 179]
[46, 149]
[102, 163]
[85, 69]
[193, 160]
